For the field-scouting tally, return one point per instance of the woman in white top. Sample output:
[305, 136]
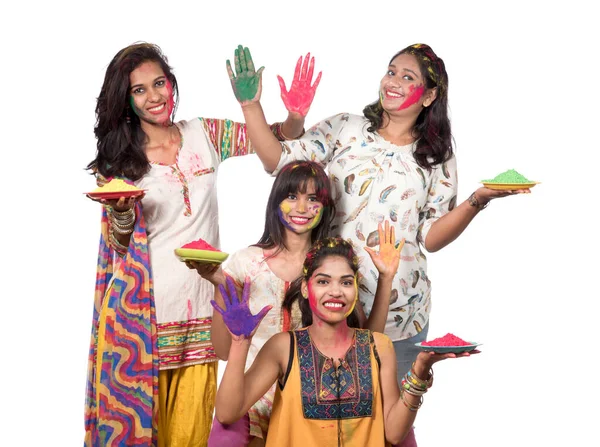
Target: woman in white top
[152, 374]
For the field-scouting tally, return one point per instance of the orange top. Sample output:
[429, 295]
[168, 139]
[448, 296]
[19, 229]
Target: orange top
[323, 405]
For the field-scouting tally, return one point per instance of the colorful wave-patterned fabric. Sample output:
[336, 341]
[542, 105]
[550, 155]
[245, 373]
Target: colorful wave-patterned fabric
[122, 388]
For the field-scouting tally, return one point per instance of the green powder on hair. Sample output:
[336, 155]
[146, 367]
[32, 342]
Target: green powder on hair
[510, 176]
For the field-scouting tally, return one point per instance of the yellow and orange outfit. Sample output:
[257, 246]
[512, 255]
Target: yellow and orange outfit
[320, 404]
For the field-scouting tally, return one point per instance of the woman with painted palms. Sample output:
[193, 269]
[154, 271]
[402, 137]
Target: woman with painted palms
[148, 305]
[396, 162]
[299, 212]
[336, 383]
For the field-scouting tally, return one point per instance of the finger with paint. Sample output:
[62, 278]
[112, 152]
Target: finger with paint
[245, 81]
[301, 93]
[236, 315]
[387, 259]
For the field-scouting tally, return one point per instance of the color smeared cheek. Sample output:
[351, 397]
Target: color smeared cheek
[312, 302]
[380, 96]
[171, 100]
[355, 298]
[318, 212]
[133, 107]
[284, 209]
[414, 94]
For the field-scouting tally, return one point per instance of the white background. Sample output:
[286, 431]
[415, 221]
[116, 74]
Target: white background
[522, 280]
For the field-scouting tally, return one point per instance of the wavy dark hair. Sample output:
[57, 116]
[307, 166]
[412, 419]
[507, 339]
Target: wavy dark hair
[294, 177]
[432, 129]
[321, 250]
[120, 145]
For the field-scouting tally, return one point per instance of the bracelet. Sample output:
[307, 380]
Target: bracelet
[417, 381]
[410, 389]
[119, 248]
[277, 130]
[123, 222]
[474, 202]
[410, 406]
[123, 214]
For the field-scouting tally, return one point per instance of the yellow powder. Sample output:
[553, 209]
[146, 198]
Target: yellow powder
[116, 185]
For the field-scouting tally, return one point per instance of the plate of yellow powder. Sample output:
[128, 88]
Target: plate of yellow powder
[509, 180]
[115, 189]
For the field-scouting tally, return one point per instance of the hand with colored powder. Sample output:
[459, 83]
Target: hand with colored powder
[246, 82]
[236, 315]
[301, 94]
[387, 259]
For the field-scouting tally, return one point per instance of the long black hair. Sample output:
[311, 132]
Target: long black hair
[120, 145]
[321, 250]
[294, 177]
[432, 129]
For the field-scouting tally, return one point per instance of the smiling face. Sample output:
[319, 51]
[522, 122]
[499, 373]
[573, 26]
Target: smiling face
[331, 290]
[403, 86]
[151, 94]
[300, 212]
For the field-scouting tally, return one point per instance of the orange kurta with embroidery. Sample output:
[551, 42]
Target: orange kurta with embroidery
[323, 405]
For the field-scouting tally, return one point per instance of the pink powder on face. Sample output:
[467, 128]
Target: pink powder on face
[414, 95]
[200, 244]
[171, 100]
[446, 340]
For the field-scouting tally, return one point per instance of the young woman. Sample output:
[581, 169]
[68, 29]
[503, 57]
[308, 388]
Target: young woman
[150, 351]
[299, 212]
[335, 384]
[396, 162]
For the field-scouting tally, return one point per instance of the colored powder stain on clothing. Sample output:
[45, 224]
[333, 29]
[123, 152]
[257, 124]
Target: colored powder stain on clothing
[413, 97]
[447, 340]
[510, 176]
[200, 244]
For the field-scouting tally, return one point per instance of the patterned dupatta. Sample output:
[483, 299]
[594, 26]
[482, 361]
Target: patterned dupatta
[122, 387]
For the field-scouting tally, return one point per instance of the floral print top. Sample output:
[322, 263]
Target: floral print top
[374, 180]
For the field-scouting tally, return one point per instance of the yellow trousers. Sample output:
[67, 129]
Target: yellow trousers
[186, 403]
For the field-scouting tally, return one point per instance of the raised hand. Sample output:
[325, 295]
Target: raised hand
[387, 259]
[246, 83]
[301, 94]
[236, 315]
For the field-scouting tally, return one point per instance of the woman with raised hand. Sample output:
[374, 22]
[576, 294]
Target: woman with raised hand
[152, 367]
[335, 384]
[299, 212]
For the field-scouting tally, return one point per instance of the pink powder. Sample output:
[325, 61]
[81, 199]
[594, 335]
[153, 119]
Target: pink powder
[200, 244]
[446, 340]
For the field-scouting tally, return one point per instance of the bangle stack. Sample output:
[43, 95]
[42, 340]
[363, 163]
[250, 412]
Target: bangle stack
[122, 222]
[415, 386]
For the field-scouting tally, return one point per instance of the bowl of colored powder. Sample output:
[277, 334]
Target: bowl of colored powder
[509, 180]
[447, 343]
[200, 251]
[115, 189]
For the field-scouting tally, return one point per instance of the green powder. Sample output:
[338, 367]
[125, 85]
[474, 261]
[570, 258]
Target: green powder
[510, 176]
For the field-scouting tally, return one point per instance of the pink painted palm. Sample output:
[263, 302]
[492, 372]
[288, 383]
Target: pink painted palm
[301, 93]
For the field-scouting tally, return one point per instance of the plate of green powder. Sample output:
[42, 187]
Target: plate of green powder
[509, 180]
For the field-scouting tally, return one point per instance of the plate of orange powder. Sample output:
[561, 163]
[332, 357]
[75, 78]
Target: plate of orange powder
[447, 343]
[115, 189]
[200, 251]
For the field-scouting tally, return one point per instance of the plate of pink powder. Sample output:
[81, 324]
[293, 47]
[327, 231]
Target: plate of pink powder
[447, 343]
